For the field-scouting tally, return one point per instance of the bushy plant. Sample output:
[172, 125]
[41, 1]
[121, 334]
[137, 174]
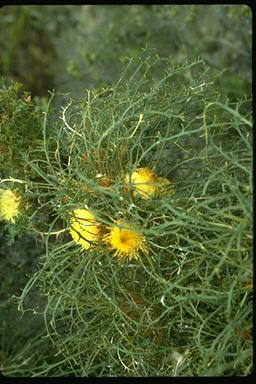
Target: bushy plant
[163, 165]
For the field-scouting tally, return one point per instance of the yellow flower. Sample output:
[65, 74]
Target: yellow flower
[165, 187]
[125, 241]
[143, 181]
[9, 205]
[84, 228]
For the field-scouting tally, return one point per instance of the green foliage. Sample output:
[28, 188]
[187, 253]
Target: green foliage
[22, 345]
[20, 126]
[165, 87]
[104, 36]
[185, 308]
[86, 46]
[24, 59]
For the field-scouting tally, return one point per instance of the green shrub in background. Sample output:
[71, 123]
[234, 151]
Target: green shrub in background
[85, 46]
[184, 307]
[23, 59]
[95, 48]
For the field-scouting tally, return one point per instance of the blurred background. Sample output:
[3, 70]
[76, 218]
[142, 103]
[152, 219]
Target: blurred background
[73, 47]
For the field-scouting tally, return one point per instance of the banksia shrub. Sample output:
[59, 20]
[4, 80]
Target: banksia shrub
[141, 193]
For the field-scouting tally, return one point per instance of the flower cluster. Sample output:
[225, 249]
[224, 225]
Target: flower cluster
[84, 228]
[125, 241]
[123, 238]
[9, 205]
[146, 184]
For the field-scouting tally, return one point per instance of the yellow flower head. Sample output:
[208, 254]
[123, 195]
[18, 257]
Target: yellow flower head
[143, 181]
[165, 187]
[126, 241]
[9, 205]
[84, 228]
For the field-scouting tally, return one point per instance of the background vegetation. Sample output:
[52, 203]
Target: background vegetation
[186, 309]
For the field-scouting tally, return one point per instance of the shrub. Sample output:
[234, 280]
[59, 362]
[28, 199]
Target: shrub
[183, 307]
